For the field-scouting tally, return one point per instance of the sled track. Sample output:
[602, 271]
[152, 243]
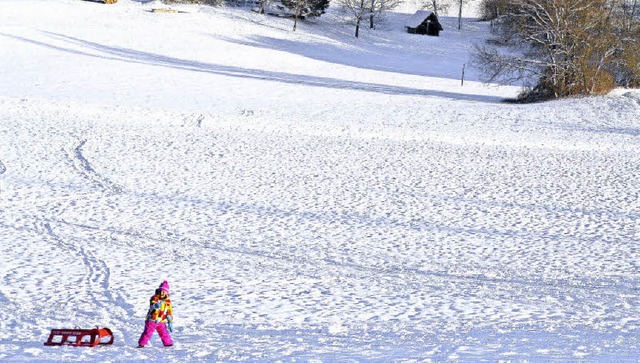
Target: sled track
[602, 285]
[96, 280]
[395, 278]
[97, 271]
[86, 170]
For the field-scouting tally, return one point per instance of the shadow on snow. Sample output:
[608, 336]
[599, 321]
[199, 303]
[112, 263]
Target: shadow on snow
[141, 57]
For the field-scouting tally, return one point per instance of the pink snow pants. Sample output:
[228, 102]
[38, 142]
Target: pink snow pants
[161, 328]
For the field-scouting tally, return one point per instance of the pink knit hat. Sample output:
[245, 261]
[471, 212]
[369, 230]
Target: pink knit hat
[164, 286]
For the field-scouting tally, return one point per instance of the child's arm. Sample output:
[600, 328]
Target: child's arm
[170, 316]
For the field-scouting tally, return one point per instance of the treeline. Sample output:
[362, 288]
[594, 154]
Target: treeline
[567, 47]
[362, 11]
[301, 8]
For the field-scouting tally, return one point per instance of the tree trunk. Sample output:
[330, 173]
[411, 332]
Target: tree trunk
[460, 16]
[371, 15]
[295, 18]
[357, 27]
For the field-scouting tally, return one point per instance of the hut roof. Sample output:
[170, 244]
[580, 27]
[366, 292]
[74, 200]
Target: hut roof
[416, 19]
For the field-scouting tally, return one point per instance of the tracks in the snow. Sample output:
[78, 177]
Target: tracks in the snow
[86, 170]
[89, 289]
[96, 279]
[100, 299]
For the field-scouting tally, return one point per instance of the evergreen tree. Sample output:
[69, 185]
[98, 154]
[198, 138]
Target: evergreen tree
[306, 8]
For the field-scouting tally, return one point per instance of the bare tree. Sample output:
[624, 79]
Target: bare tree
[461, 3]
[379, 7]
[359, 9]
[371, 9]
[436, 6]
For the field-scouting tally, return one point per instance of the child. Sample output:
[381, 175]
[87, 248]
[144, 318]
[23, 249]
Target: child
[160, 312]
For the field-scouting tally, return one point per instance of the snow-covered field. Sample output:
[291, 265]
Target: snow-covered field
[308, 195]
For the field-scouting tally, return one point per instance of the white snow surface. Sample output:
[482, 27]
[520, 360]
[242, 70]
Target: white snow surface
[308, 195]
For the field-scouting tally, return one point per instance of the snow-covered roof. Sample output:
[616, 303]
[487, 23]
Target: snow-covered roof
[416, 19]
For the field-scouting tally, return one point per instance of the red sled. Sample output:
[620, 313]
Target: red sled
[80, 337]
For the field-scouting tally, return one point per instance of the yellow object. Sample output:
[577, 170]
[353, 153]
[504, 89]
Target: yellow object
[164, 11]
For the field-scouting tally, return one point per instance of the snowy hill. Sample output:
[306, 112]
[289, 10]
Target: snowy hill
[308, 195]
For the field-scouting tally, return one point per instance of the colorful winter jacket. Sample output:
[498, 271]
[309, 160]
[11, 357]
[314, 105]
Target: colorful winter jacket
[160, 310]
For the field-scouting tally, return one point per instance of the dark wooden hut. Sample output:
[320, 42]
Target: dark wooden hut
[424, 22]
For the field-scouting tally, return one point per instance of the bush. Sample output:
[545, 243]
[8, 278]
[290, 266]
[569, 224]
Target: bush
[628, 70]
[571, 47]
